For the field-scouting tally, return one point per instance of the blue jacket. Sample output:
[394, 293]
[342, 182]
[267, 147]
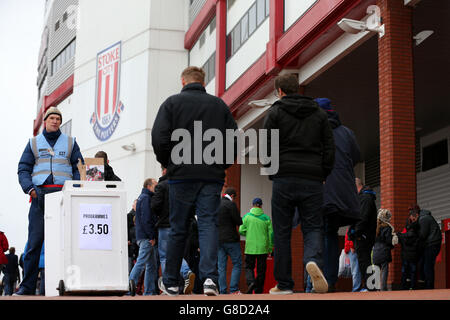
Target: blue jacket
[145, 220]
[27, 162]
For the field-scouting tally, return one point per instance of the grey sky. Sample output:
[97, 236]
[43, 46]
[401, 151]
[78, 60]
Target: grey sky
[21, 23]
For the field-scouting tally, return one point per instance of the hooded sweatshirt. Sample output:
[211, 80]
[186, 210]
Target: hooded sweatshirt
[257, 229]
[367, 226]
[430, 232]
[306, 144]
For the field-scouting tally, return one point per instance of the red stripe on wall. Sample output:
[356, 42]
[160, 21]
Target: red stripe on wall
[99, 95]
[200, 23]
[108, 77]
[115, 93]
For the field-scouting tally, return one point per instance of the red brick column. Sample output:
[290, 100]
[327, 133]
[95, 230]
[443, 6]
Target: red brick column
[397, 119]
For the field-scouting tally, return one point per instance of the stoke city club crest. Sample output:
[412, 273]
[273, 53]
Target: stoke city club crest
[108, 106]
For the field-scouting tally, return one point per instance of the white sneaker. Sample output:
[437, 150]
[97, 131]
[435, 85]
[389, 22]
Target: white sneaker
[278, 291]
[210, 288]
[171, 291]
[320, 284]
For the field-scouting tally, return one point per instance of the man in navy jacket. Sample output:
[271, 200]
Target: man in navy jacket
[146, 239]
[49, 159]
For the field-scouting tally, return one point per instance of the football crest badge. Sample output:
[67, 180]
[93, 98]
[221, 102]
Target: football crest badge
[108, 106]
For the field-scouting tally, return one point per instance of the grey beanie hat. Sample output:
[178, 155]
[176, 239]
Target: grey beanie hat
[52, 110]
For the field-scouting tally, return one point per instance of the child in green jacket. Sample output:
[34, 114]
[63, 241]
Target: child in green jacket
[257, 228]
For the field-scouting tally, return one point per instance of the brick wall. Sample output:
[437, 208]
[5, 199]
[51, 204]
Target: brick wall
[397, 118]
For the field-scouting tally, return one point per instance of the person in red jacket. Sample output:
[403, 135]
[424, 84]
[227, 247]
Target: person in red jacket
[4, 246]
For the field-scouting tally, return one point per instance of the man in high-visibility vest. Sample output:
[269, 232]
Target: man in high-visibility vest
[49, 159]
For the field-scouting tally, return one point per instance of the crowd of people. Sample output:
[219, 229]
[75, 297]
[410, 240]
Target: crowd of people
[185, 226]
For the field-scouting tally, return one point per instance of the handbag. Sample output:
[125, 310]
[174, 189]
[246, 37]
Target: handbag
[345, 268]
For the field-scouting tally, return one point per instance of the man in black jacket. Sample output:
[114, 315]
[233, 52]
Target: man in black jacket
[229, 242]
[363, 232]
[430, 239]
[306, 157]
[196, 176]
[160, 207]
[409, 240]
[133, 248]
[109, 172]
[11, 272]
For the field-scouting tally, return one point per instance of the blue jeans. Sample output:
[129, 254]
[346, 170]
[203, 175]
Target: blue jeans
[183, 198]
[35, 240]
[146, 260]
[9, 283]
[232, 249]
[163, 240]
[384, 269]
[356, 274]
[307, 196]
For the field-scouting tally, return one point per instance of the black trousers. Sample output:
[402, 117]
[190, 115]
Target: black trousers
[260, 261]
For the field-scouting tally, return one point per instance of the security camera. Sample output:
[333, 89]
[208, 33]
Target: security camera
[352, 26]
[371, 23]
[259, 103]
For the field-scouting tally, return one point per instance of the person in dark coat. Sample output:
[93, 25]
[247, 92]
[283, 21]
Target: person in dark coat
[11, 272]
[109, 172]
[340, 203]
[409, 240]
[306, 157]
[229, 242]
[146, 239]
[365, 229]
[430, 239]
[133, 248]
[383, 245]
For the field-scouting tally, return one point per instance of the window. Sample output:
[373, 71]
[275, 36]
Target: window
[63, 57]
[212, 25]
[57, 25]
[65, 16]
[252, 19]
[210, 68]
[435, 155]
[202, 39]
[248, 24]
[260, 11]
[66, 128]
[230, 3]
[236, 38]
[244, 28]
